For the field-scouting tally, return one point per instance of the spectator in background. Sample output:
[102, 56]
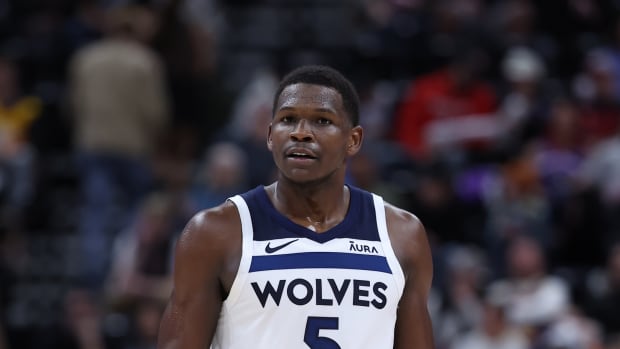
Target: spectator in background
[516, 204]
[494, 331]
[223, 173]
[559, 152]
[187, 42]
[461, 276]
[83, 322]
[140, 278]
[120, 108]
[141, 258]
[17, 156]
[597, 94]
[249, 121]
[534, 298]
[524, 104]
[448, 107]
[146, 319]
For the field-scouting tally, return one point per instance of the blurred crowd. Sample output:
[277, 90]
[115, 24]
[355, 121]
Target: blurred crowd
[496, 122]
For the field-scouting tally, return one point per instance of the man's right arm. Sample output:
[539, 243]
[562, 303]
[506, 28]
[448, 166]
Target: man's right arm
[206, 259]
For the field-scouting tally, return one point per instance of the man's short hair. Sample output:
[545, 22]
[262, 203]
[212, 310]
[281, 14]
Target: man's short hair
[323, 76]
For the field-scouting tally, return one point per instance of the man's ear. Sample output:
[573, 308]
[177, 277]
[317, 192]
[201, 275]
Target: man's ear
[356, 138]
[269, 144]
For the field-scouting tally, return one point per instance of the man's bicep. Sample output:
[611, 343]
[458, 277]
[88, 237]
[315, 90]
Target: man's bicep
[192, 312]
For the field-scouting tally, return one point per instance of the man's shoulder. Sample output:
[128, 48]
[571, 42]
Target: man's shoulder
[401, 217]
[213, 226]
[393, 213]
[406, 232]
[221, 215]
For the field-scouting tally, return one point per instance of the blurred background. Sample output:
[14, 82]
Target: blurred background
[496, 122]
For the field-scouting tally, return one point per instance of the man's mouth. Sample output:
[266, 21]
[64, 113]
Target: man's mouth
[300, 154]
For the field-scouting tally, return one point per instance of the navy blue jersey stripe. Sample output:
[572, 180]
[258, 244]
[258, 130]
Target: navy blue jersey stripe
[320, 260]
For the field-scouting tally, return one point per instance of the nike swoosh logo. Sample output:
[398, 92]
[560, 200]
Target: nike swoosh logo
[270, 249]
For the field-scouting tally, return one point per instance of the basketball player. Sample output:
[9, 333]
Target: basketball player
[306, 262]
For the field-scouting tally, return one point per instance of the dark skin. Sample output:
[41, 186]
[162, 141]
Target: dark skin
[311, 138]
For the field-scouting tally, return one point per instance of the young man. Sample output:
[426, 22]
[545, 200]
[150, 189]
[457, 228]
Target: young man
[306, 262]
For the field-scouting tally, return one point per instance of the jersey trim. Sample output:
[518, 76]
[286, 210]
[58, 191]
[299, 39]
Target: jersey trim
[246, 248]
[320, 260]
[393, 262]
[355, 205]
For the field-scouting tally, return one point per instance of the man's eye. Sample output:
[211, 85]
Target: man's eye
[323, 121]
[287, 119]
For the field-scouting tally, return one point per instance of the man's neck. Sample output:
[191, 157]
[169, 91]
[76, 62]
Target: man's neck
[317, 207]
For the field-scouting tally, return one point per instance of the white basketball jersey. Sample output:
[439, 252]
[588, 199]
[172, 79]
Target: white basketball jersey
[298, 289]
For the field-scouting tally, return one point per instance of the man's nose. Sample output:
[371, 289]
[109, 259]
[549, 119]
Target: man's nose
[302, 132]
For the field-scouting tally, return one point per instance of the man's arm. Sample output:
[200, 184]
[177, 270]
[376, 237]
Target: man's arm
[206, 260]
[408, 237]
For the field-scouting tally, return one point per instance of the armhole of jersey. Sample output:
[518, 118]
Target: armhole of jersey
[397, 270]
[246, 248]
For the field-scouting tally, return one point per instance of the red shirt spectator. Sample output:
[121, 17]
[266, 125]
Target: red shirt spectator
[439, 96]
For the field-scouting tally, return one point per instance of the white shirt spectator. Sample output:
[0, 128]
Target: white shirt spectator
[534, 302]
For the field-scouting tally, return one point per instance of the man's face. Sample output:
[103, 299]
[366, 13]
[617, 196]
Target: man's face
[311, 135]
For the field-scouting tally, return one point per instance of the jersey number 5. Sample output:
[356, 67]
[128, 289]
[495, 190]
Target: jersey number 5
[313, 326]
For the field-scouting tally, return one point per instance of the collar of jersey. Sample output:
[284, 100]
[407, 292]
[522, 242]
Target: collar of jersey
[336, 231]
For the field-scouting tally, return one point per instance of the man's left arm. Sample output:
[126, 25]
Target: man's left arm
[410, 243]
